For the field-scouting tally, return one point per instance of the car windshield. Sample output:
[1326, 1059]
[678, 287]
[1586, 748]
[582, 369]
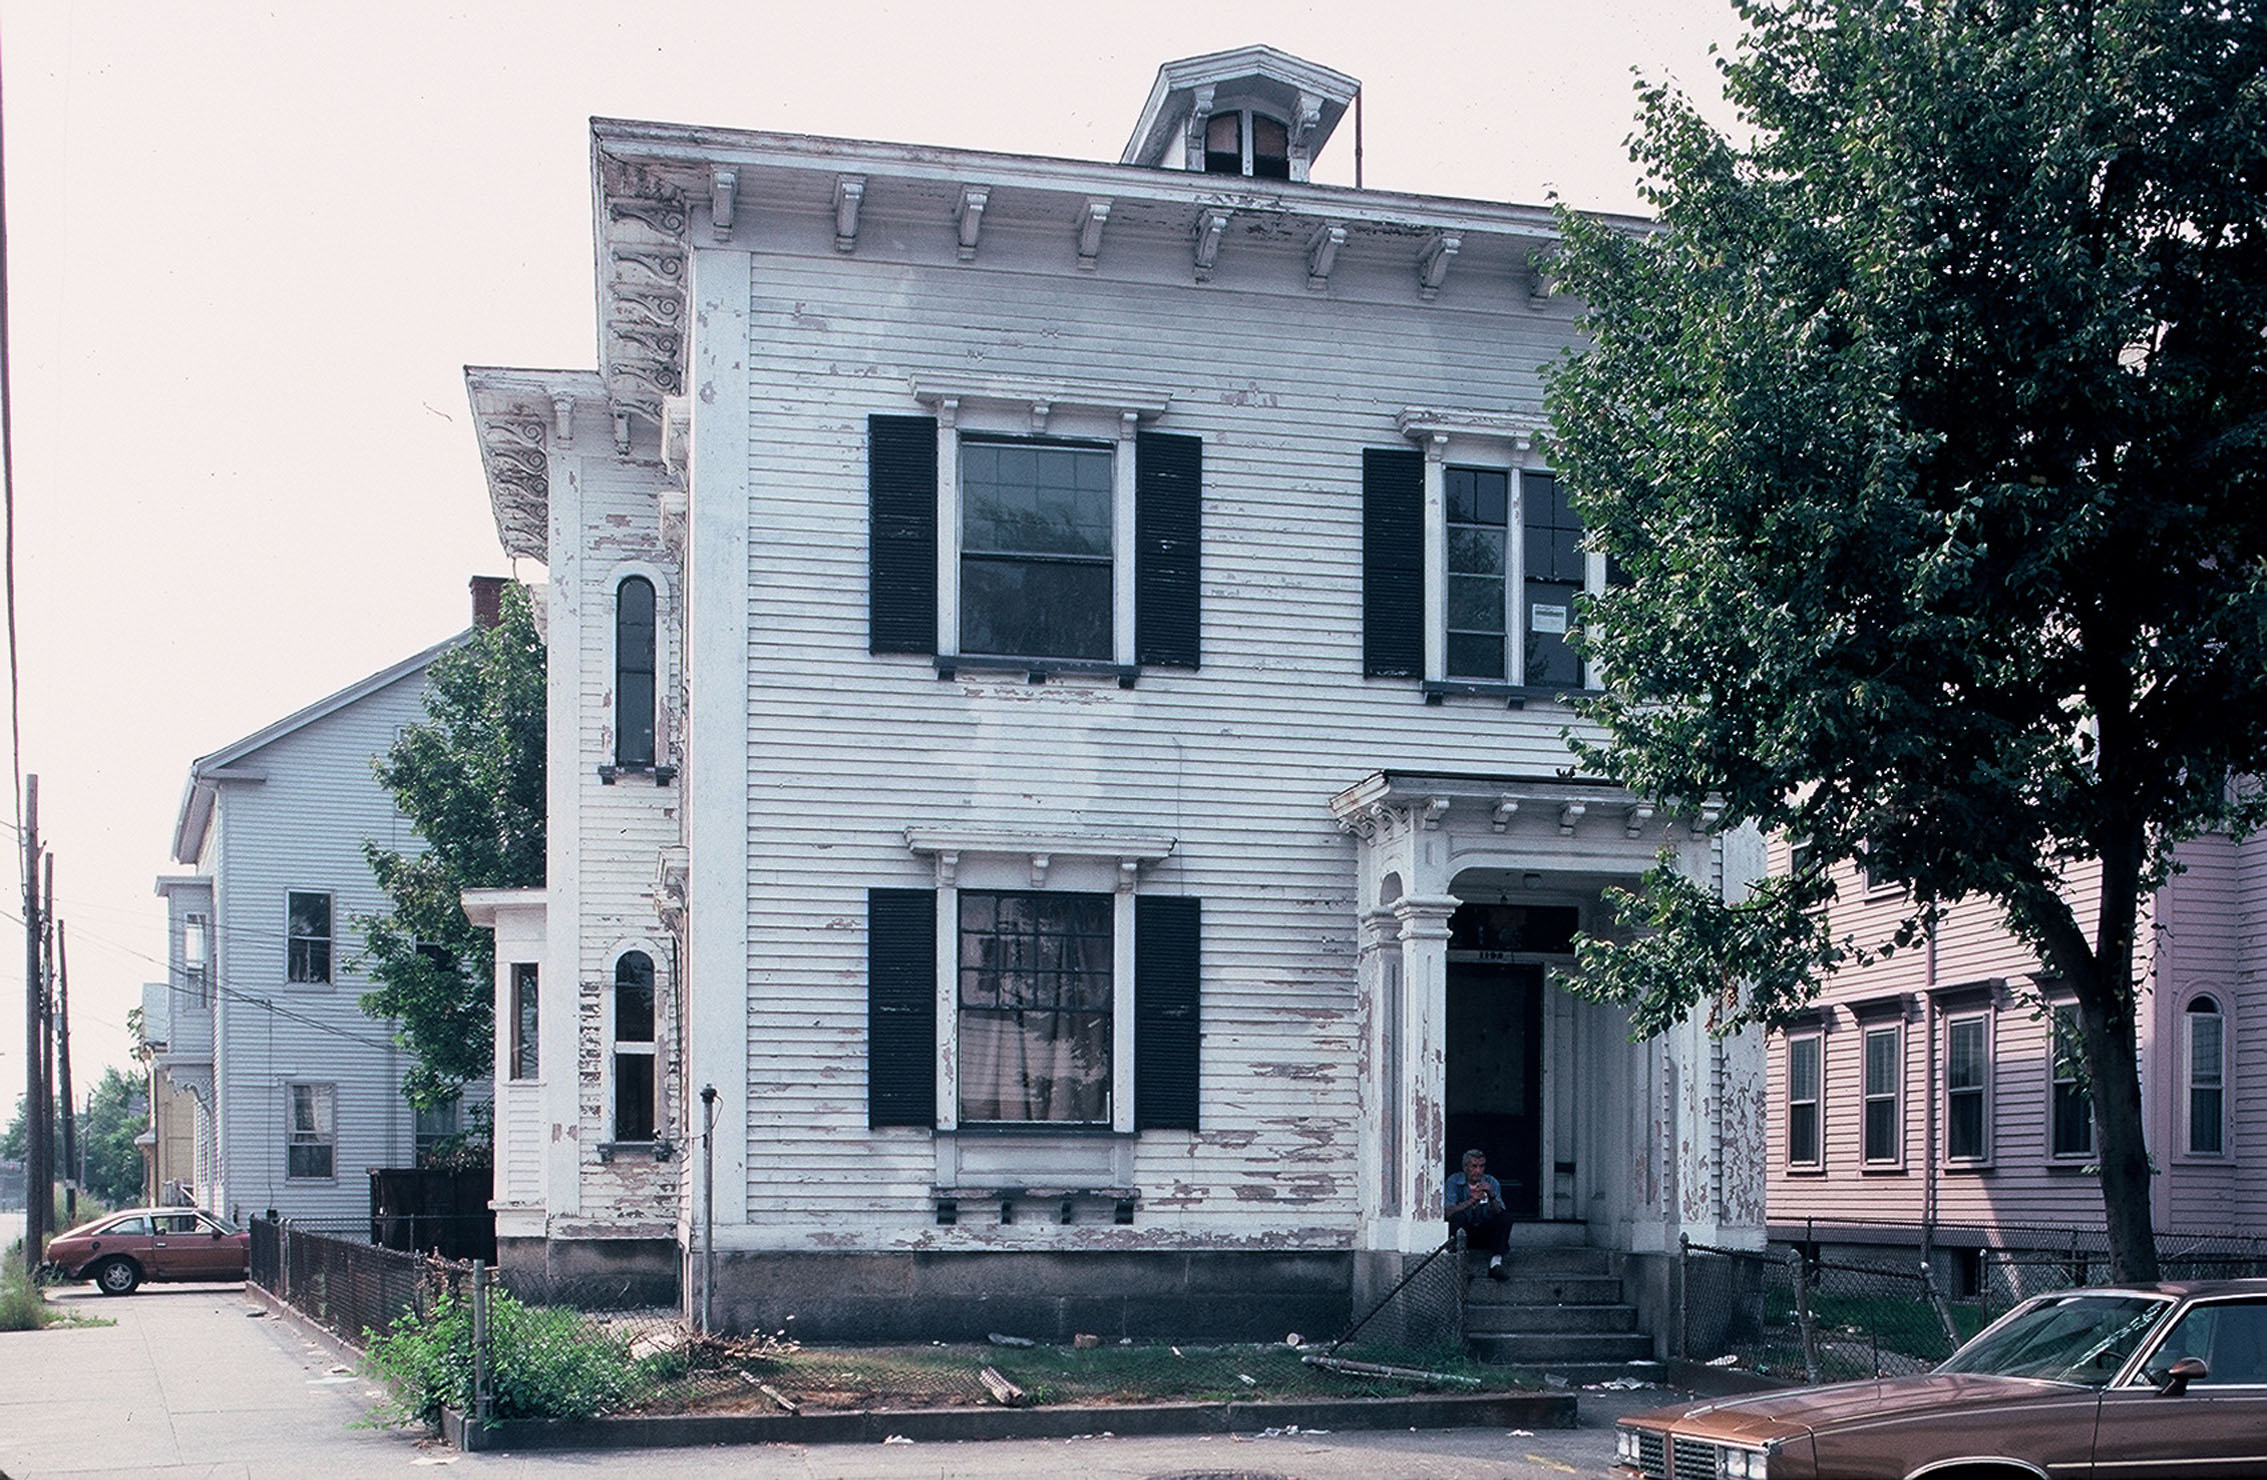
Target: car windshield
[2078, 1338]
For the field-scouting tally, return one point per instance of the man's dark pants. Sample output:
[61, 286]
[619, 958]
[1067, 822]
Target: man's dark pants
[1484, 1228]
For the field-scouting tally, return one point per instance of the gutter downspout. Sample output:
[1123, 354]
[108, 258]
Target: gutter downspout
[1929, 1079]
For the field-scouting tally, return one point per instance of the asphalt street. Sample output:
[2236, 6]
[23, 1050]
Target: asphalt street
[196, 1381]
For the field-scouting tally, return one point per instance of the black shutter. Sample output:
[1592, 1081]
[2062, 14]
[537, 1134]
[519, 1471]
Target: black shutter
[1393, 562]
[1168, 549]
[901, 1007]
[1168, 1027]
[901, 580]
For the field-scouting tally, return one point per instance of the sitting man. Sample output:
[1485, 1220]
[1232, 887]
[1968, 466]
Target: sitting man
[1475, 1204]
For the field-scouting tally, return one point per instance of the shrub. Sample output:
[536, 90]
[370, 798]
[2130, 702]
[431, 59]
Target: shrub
[21, 1306]
[544, 1362]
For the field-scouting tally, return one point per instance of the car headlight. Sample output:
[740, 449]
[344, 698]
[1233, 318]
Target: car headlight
[1743, 1464]
[1625, 1444]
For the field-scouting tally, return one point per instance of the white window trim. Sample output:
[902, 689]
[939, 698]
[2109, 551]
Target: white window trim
[327, 1090]
[1816, 1037]
[1077, 411]
[665, 667]
[1986, 1017]
[513, 1042]
[2054, 1157]
[611, 1045]
[1895, 1097]
[2219, 1013]
[1037, 864]
[1494, 441]
[332, 964]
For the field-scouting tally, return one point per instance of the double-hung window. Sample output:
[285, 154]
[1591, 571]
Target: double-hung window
[433, 1125]
[1805, 1148]
[526, 1057]
[635, 1086]
[2071, 1104]
[310, 1139]
[1069, 999]
[1883, 1077]
[307, 937]
[1967, 1087]
[996, 545]
[2206, 1033]
[1472, 565]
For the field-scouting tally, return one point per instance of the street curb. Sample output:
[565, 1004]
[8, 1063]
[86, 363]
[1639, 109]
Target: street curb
[947, 1425]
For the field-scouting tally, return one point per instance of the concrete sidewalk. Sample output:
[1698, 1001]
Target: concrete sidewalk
[191, 1382]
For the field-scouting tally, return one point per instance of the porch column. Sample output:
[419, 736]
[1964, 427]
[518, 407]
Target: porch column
[1424, 1065]
[1381, 1139]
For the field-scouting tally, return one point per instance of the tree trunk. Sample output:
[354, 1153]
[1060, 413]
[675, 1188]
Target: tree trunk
[2114, 1079]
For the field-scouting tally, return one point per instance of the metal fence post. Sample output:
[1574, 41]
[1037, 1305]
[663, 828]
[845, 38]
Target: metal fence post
[1803, 1319]
[480, 1343]
[1942, 1307]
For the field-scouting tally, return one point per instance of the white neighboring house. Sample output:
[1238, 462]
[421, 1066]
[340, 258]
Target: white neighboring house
[298, 1093]
[1055, 720]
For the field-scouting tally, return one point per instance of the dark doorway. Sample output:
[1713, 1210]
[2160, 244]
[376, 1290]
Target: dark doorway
[1495, 1078]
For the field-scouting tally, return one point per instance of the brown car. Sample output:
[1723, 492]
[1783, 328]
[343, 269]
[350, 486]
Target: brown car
[120, 1251]
[2141, 1381]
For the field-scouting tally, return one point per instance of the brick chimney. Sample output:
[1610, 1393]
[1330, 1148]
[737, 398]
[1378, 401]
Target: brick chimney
[487, 600]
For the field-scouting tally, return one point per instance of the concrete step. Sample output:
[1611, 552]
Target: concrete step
[1506, 1320]
[1544, 1290]
[1543, 1349]
[1555, 1260]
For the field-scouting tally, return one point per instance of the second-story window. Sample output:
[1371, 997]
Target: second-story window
[634, 1082]
[196, 960]
[634, 686]
[1967, 1088]
[1035, 549]
[307, 932]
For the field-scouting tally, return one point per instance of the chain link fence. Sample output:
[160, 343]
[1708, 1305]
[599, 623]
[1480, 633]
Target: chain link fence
[1816, 1311]
[505, 1345]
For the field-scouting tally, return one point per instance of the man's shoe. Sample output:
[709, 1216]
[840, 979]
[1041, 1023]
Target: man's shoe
[1496, 1271]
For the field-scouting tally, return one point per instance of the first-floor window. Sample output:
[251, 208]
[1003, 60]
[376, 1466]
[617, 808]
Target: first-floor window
[310, 1142]
[2207, 1078]
[2072, 1114]
[526, 1060]
[1881, 1086]
[307, 933]
[634, 1086]
[1036, 1001]
[1803, 1099]
[1967, 1088]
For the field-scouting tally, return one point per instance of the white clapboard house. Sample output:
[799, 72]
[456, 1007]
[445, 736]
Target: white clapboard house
[1056, 744]
[296, 1091]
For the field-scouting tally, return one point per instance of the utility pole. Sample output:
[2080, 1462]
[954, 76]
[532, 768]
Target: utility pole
[47, 1167]
[39, 1197]
[73, 1173]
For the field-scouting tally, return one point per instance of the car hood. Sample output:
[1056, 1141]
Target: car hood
[1778, 1415]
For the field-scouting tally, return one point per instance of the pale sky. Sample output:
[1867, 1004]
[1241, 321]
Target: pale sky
[252, 247]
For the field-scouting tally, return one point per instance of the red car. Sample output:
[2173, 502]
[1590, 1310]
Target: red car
[121, 1250]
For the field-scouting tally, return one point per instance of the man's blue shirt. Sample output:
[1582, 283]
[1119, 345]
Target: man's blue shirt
[1459, 1188]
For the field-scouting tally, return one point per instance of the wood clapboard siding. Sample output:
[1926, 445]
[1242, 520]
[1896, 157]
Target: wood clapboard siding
[1236, 761]
[302, 829]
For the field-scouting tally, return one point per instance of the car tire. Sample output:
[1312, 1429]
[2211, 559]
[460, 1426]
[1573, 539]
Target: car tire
[119, 1276]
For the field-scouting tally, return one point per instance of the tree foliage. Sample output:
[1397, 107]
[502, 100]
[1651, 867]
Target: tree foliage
[117, 1111]
[1927, 426]
[471, 781]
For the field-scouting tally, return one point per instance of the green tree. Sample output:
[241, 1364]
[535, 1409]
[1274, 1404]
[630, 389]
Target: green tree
[471, 781]
[117, 1111]
[1926, 429]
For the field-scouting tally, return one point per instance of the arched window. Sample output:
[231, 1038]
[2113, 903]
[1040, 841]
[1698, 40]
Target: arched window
[2207, 1078]
[633, 674]
[634, 1077]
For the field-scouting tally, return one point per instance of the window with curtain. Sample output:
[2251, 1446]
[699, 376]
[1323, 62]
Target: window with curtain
[1035, 1013]
[1967, 1103]
[310, 1142]
[634, 1083]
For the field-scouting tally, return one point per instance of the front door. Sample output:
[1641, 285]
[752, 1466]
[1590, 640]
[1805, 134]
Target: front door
[1495, 1078]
